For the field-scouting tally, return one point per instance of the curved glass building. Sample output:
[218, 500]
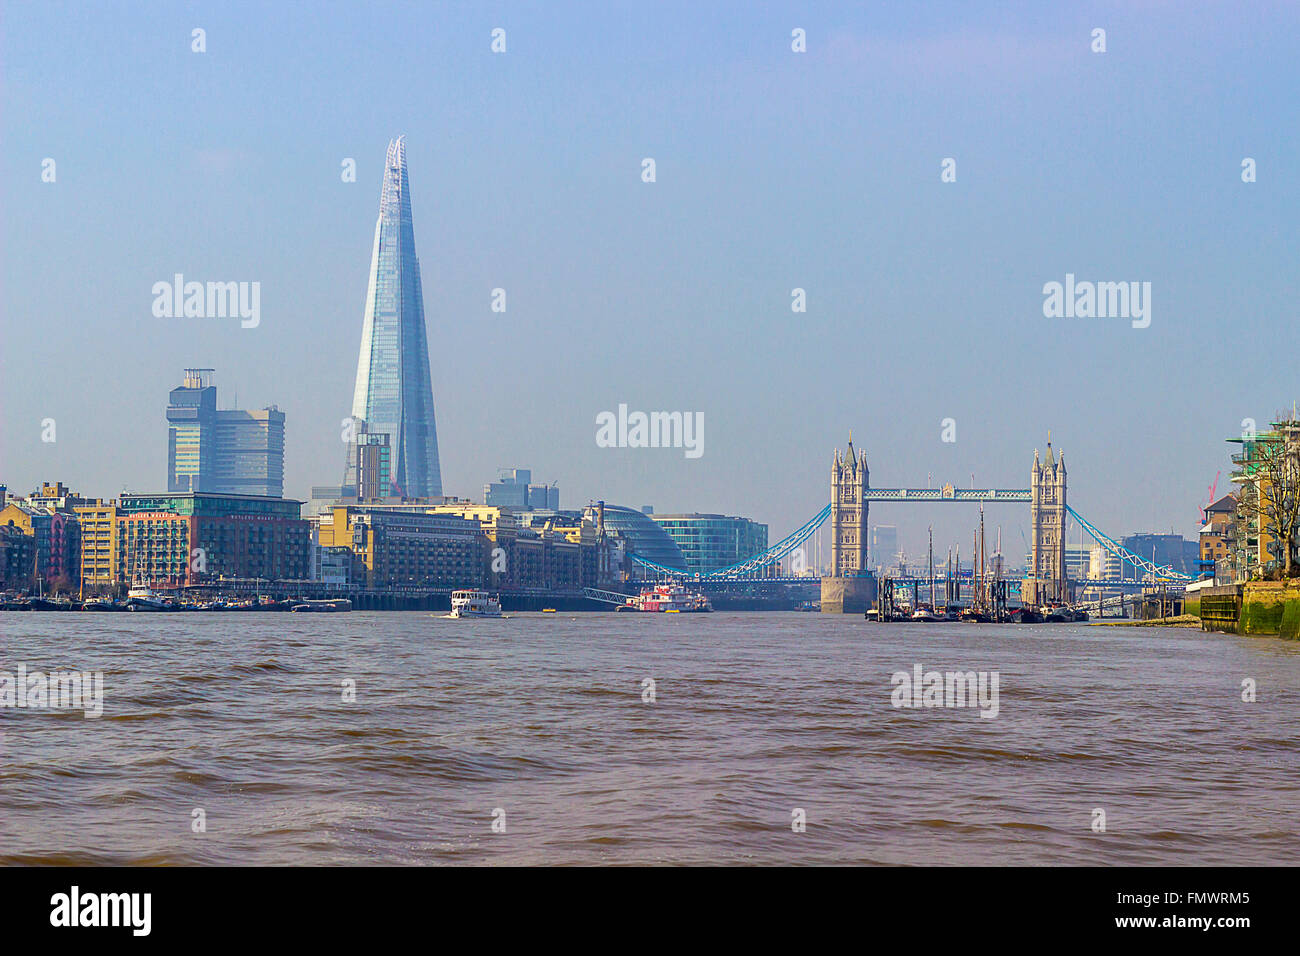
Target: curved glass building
[645, 538]
[394, 393]
[710, 542]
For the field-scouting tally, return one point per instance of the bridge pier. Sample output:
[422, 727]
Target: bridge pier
[848, 595]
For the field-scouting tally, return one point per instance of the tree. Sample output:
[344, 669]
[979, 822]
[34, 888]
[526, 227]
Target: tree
[1270, 479]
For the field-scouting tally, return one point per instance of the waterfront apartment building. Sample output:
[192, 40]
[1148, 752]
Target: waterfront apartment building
[579, 532]
[332, 565]
[557, 552]
[99, 570]
[711, 541]
[17, 559]
[547, 558]
[460, 544]
[227, 451]
[56, 542]
[408, 547]
[199, 538]
[1264, 458]
[1218, 534]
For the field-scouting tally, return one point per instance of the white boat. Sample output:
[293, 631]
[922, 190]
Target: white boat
[924, 614]
[144, 598]
[471, 603]
[328, 606]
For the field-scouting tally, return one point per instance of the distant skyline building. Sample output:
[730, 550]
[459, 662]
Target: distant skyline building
[884, 545]
[1165, 549]
[394, 390]
[1103, 564]
[226, 451]
[369, 471]
[514, 489]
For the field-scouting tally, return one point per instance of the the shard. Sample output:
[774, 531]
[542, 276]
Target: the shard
[394, 393]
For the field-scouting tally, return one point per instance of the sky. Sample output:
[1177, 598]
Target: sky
[775, 170]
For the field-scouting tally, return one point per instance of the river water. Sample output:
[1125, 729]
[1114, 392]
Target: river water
[539, 724]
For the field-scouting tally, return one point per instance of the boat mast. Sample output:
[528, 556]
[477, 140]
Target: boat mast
[932, 567]
[947, 582]
[983, 562]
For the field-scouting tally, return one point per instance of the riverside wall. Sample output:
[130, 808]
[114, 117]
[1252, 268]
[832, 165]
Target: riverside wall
[1266, 608]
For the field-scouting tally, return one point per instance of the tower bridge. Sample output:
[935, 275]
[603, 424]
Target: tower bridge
[851, 587]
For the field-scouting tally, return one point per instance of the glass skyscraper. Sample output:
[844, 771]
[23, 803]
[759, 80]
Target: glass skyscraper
[394, 393]
[226, 451]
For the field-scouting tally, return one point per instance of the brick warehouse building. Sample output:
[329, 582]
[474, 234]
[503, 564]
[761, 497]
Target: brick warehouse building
[187, 539]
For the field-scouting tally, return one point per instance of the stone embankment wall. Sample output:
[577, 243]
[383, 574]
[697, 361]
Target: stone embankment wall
[1260, 607]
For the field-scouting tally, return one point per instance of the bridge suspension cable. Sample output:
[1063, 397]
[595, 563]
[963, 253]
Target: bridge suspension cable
[1159, 572]
[740, 568]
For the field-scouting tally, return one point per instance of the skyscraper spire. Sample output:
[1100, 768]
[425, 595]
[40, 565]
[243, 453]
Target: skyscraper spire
[394, 391]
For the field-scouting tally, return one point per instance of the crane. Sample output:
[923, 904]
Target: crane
[1210, 501]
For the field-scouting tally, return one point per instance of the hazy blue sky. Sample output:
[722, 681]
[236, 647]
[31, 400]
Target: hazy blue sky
[775, 170]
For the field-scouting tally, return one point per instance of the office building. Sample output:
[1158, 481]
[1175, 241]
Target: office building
[394, 390]
[642, 537]
[1166, 550]
[884, 546]
[368, 473]
[1104, 565]
[228, 451]
[709, 542]
[514, 489]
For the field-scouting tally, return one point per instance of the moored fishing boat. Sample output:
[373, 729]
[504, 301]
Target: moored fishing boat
[102, 604]
[144, 598]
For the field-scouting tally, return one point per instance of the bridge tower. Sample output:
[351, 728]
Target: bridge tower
[851, 588]
[1047, 581]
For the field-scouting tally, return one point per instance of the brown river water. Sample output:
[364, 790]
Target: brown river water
[538, 723]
